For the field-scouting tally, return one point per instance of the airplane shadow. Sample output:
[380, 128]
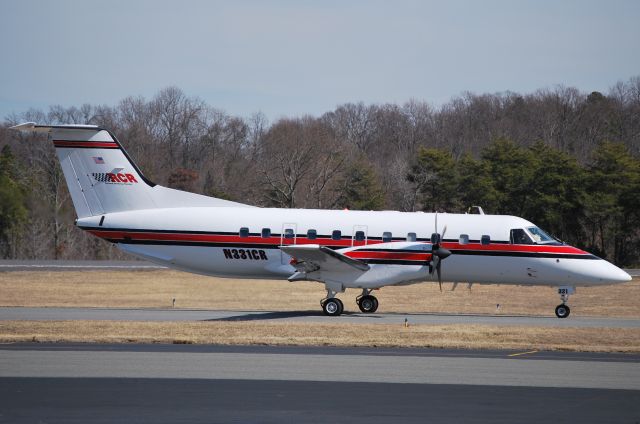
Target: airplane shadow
[263, 316]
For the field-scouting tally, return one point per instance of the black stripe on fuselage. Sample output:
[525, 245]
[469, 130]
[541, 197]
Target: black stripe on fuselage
[88, 147]
[522, 254]
[197, 243]
[392, 262]
[374, 250]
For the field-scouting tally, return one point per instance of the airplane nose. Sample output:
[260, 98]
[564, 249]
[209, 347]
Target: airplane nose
[614, 275]
[623, 276]
[600, 272]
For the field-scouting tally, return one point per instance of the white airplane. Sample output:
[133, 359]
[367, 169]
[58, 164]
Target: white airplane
[340, 248]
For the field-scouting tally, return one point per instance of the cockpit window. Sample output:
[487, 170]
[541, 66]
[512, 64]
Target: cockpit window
[519, 236]
[540, 236]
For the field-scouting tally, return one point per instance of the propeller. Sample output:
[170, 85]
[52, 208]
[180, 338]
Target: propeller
[438, 253]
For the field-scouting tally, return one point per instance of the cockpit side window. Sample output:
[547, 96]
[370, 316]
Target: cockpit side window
[519, 236]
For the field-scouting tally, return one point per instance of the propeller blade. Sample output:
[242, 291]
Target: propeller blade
[438, 253]
[436, 221]
[434, 263]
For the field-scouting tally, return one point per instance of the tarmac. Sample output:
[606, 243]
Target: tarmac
[185, 383]
[65, 314]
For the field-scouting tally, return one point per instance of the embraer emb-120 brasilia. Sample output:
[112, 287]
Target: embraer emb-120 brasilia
[338, 248]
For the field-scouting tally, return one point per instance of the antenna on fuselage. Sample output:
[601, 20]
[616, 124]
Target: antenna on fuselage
[478, 208]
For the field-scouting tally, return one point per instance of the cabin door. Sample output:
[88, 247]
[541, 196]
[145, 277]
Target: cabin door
[287, 237]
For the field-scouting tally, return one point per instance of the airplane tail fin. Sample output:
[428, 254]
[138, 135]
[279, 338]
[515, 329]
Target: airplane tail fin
[101, 176]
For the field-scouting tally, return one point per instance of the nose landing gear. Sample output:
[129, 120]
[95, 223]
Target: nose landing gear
[563, 310]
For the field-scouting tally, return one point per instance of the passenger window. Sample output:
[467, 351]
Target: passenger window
[518, 236]
[266, 232]
[312, 234]
[336, 235]
[244, 232]
[485, 240]
[386, 237]
[464, 239]
[359, 236]
[411, 237]
[288, 233]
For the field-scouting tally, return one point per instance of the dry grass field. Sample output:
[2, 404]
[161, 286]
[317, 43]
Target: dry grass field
[156, 289]
[321, 334]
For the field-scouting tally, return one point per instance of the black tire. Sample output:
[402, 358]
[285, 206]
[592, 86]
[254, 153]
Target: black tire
[332, 307]
[368, 304]
[562, 311]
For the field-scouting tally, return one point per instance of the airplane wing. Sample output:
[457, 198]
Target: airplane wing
[313, 257]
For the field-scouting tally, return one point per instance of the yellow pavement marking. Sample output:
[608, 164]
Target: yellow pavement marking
[523, 353]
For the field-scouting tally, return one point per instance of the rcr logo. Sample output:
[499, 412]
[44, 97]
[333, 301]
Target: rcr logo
[114, 178]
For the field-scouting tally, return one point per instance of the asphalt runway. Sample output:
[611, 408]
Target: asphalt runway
[64, 314]
[60, 265]
[184, 383]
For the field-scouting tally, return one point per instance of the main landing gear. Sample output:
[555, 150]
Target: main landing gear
[366, 302]
[563, 310]
[332, 306]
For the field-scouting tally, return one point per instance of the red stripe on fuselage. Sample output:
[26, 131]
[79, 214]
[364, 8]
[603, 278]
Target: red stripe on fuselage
[406, 256]
[524, 248]
[94, 144]
[214, 238]
[120, 235]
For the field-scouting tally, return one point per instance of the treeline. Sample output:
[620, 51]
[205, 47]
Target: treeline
[568, 161]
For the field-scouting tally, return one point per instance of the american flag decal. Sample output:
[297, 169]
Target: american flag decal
[98, 160]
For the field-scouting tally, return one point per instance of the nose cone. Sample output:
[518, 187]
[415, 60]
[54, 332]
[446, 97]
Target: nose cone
[607, 273]
[622, 276]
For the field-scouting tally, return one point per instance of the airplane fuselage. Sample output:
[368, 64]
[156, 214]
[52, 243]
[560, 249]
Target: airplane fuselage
[245, 242]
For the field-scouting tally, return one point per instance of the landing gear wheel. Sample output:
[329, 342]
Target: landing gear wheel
[368, 304]
[332, 307]
[562, 311]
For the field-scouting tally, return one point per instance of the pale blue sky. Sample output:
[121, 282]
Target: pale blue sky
[289, 58]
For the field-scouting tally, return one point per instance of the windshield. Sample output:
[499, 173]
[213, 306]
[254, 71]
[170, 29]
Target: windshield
[540, 236]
